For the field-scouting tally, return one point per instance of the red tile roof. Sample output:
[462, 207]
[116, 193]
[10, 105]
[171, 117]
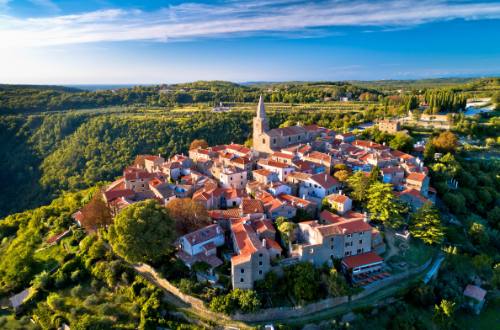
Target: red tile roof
[114, 194]
[337, 198]
[324, 180]
[319, 156]
[262, 172]
[261, 226]
[272, 163]
[272, 244]
[361, 260]
[282, 155]
[251, 206]
[415, 176]
[245, 239]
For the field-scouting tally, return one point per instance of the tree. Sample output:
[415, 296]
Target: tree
[96, 213]
[429, 151]
[336, 283]
[383, 204]
[477, 232]
[198, 143]
[359, 184]
[341, 175]
[245, 300]
[443, 313]
[401, 141]
[426, 225]
[288, 229]
[375, 174]
[142, 232]
[188, 215]
[303, 280]
[445, 142]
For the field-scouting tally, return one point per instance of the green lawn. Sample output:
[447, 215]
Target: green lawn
[486, 320]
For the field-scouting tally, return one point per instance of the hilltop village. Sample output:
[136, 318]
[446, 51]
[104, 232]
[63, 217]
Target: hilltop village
[285, 175]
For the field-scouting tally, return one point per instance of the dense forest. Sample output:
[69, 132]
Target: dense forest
[48, 154]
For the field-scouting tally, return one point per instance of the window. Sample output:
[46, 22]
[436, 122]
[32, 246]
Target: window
[263, 141]
[349, 235]
[360, 241]
[260, 255]
[289, 139]
[347, 244]
[274, 141]
[331, 239]
[260, 272]
[260, 263]
[242, 271]
[331, 247]
[242, 280]
[298, 137]
[360, 250]
[347, 253]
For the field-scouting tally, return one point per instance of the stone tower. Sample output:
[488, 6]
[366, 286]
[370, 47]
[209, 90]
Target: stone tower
[260, 123]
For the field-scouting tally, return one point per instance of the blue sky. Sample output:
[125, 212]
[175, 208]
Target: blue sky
[100, 41]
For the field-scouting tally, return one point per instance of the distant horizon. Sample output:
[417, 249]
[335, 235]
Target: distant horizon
[125, 85]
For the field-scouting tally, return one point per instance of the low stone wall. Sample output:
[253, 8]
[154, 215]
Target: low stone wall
[280, 313]
[277, 313]
[369, 289]
[150, 273]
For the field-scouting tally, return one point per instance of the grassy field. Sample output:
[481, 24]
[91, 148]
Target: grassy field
[486, 320]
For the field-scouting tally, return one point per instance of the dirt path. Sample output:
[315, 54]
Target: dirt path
[195, 314]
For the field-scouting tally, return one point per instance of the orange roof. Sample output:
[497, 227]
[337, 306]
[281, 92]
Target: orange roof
[114, 194]
[324, 180]
[249, 206]
[319, 156]
[264, 225]
[295, 201]
[245, 239]
[361, 260]
[155, 182]
[241, 160]
[239, 148]
[282, 155]
[272, 244]
[400, 154]
[224, 214]
[262, 171]
[272, 163]
[415, 176]
[414, 193]
[337, 198]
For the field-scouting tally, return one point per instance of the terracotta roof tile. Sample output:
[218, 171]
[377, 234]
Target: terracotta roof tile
[361, 260]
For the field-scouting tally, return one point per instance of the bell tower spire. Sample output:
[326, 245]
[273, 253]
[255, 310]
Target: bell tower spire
[261, 109]
[260, 125]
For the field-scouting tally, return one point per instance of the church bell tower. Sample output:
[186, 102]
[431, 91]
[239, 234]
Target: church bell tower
[260, 123]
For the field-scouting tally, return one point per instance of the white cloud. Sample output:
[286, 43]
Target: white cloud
[190, 20]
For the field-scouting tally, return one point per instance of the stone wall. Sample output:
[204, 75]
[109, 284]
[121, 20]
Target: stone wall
[277, 313]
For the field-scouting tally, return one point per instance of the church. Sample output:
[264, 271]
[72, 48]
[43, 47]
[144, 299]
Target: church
[267, 141]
